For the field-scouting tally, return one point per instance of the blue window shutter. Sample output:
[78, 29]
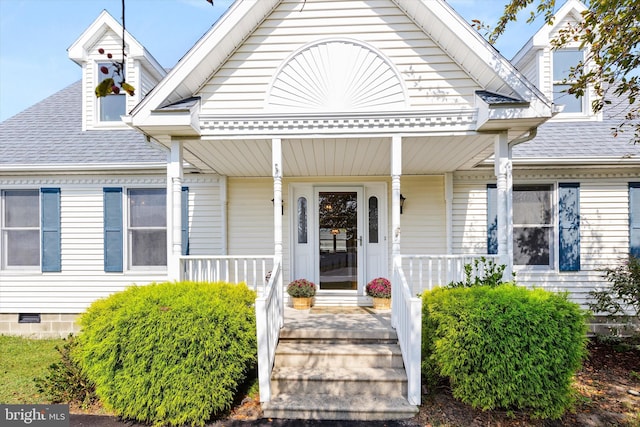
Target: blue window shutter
[51, 240]
[113, 230]
[492, 219]
[185, 220]
[569, 226]
[634, 219]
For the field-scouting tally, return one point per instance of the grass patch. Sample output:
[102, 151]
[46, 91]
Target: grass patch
[21, 361]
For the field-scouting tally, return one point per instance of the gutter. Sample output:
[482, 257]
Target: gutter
[82, 168]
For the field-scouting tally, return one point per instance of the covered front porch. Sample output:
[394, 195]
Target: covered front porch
[303, 171]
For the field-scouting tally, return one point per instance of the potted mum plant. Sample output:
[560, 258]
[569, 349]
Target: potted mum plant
[302, 291]
[380, 290]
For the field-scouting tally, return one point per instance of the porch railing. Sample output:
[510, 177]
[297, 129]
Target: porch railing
[424, 272]
[269, 321]
[406, 317]
[252, 270]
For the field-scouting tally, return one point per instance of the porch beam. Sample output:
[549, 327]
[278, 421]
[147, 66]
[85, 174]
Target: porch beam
[174, 210]
[504, 186]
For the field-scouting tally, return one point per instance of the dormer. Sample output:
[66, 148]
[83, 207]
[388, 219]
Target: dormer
[142, 71]
[547, 68]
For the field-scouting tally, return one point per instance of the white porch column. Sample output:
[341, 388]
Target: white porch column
[396, 172]
[448, 200]
[174, 211]
[276, 161]
[504, 195]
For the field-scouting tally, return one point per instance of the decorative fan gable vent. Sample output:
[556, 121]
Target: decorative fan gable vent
[337, 75]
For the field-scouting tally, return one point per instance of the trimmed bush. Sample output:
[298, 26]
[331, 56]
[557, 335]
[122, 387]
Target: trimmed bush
[504, 347]
[170, 353]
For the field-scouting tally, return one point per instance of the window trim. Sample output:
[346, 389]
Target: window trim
[555, 249]
[587, 113]
[3, 228]
[128, 252]
[97, 122]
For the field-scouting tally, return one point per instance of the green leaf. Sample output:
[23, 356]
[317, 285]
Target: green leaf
[104, 88]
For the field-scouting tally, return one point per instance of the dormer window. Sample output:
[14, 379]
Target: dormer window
[113, 105]
[563, 61]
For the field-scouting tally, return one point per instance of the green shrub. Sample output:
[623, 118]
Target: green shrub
[65, 381]
[621, 301]
[487, 273]
[504, 347]
[170, 353]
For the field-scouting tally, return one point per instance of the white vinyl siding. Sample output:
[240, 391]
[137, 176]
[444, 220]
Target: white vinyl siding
[430, 76]
[604, 222]
[205, 217]
[82, 279]
[423, 218]
[469, 218]
[250, 213]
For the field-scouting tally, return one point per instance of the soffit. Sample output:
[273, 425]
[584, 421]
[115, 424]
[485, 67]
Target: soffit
[339, 156]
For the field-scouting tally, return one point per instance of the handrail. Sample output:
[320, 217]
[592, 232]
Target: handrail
[406, 316]
[269, 321]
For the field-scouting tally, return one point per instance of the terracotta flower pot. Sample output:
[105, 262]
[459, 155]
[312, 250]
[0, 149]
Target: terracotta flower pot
[381, 303]
[302, 303]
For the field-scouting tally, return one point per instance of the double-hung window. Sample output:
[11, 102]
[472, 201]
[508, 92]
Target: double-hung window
[533, 227]
[543, 230]
[30, 228]
[113, 105]
[147, 227]
[563, 61]
[136, 219]
[634, 219]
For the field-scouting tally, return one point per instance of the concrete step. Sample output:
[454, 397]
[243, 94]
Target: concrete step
[339, 381]
[327, 407]
[335, 335]
[314, 355]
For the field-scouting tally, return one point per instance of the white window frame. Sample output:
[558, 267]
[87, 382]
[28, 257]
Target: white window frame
[4, 228]
[127, 228]
[587, 113]
[553, 246]
[104, 124]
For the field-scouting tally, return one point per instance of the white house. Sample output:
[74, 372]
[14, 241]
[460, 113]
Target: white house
[337, 142]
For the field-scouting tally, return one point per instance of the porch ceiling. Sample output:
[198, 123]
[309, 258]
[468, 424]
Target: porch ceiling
[339, 156]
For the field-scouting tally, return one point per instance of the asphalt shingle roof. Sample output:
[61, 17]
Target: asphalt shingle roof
[582, 139]
[50, 133]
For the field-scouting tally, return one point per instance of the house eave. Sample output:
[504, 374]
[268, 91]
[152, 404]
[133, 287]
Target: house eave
[168, 122]
[297, 124]
[75, 168]
[544, 162]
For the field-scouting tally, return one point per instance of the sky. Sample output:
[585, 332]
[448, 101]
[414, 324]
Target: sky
[35, 35]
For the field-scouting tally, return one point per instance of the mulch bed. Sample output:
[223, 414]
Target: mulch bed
[603, 385]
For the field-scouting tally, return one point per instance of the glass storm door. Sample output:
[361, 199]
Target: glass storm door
[339, 240]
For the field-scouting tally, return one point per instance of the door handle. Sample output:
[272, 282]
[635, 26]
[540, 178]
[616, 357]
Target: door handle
[360, 240]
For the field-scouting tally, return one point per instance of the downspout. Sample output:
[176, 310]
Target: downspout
[533, 132]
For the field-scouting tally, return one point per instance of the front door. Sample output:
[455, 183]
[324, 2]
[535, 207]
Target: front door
[340, 240]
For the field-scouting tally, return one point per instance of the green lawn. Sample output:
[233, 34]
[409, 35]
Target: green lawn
[22, 360]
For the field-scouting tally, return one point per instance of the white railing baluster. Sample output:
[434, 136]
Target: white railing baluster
[425, 272]
[251, 269]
